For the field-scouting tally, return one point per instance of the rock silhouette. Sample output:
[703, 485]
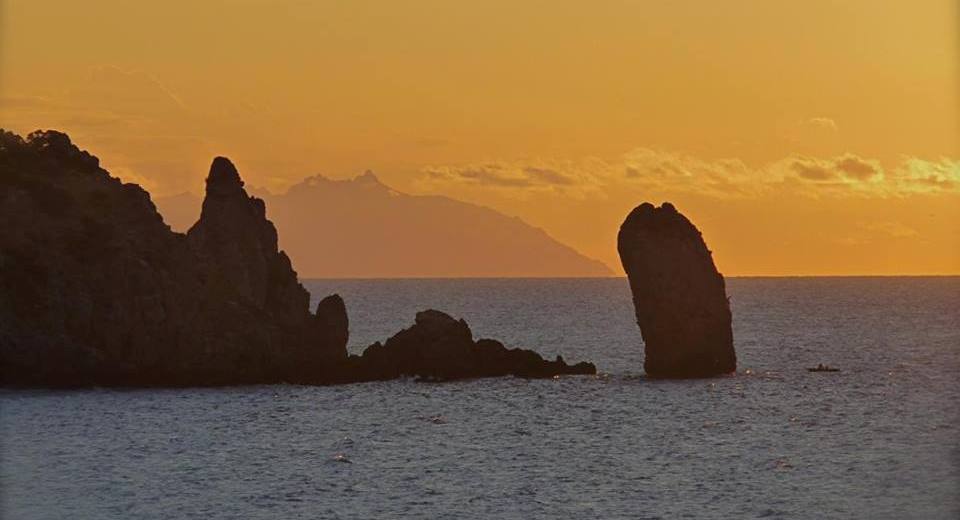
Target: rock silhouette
[678, 295]
[437, 348]
[95, 289]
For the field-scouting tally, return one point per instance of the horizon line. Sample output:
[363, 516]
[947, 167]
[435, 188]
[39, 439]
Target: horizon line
[622, 277]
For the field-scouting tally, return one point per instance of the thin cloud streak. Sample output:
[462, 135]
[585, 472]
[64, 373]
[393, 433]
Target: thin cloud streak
[644, 169]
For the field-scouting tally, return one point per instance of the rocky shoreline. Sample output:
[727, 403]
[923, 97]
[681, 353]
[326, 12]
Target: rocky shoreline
[96, 290]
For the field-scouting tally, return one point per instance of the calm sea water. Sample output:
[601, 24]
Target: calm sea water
[881, 439]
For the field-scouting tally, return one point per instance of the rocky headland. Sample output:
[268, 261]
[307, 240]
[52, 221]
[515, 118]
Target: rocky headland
[95, 289]
[679, 296]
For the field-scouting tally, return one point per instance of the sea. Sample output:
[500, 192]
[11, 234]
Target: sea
[878, 439]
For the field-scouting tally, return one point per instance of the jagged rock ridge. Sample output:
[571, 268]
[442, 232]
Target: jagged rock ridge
[112, 296]
[679, 296]
[96, 290]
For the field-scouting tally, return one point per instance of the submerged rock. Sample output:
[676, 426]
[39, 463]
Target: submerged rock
[439, 348]
[678, 295]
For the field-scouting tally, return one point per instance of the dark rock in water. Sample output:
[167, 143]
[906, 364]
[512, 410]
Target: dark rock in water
[679, 297]
[440, 348]
[96, 290]
[331, 314]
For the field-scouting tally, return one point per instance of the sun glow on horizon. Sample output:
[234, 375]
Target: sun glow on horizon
[819, 138]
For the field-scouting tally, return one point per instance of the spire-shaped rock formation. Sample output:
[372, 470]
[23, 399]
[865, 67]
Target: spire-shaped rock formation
[237, 246]
[678, 295]
[238, 261]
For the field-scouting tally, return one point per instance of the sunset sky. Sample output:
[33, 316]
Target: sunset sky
[813, 137]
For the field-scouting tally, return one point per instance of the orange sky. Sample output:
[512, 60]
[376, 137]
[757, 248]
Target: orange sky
[815, 137]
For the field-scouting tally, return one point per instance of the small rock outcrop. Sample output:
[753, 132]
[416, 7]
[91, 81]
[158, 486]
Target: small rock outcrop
[95, 289]
[439, 348]
[678, 295]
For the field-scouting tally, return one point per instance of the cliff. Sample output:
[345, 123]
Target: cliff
[95, 289]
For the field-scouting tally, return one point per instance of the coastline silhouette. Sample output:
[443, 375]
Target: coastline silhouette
[99, 291]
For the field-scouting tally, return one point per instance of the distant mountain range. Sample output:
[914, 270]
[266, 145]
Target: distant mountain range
[363, 228]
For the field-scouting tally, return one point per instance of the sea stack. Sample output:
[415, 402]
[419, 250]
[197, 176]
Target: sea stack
[679, 296]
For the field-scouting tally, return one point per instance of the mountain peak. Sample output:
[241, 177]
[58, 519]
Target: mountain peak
[370, 230]
[223, 178]
[368, 177]
[234, 236]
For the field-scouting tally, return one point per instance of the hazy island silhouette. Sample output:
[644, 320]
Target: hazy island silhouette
[363, 228]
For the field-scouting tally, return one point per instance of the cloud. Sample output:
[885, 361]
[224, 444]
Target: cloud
[857, 168]
[653, 171]
[666, 171]
[813, 170]
[916, 174]
[548, 176]
[844, 175]
[506, 175]
[844, 168]
[490, 175]
[823, 122]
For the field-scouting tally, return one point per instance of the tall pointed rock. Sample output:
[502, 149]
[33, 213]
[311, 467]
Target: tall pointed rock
[267, 322]
[239, 245]
[678, 295]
